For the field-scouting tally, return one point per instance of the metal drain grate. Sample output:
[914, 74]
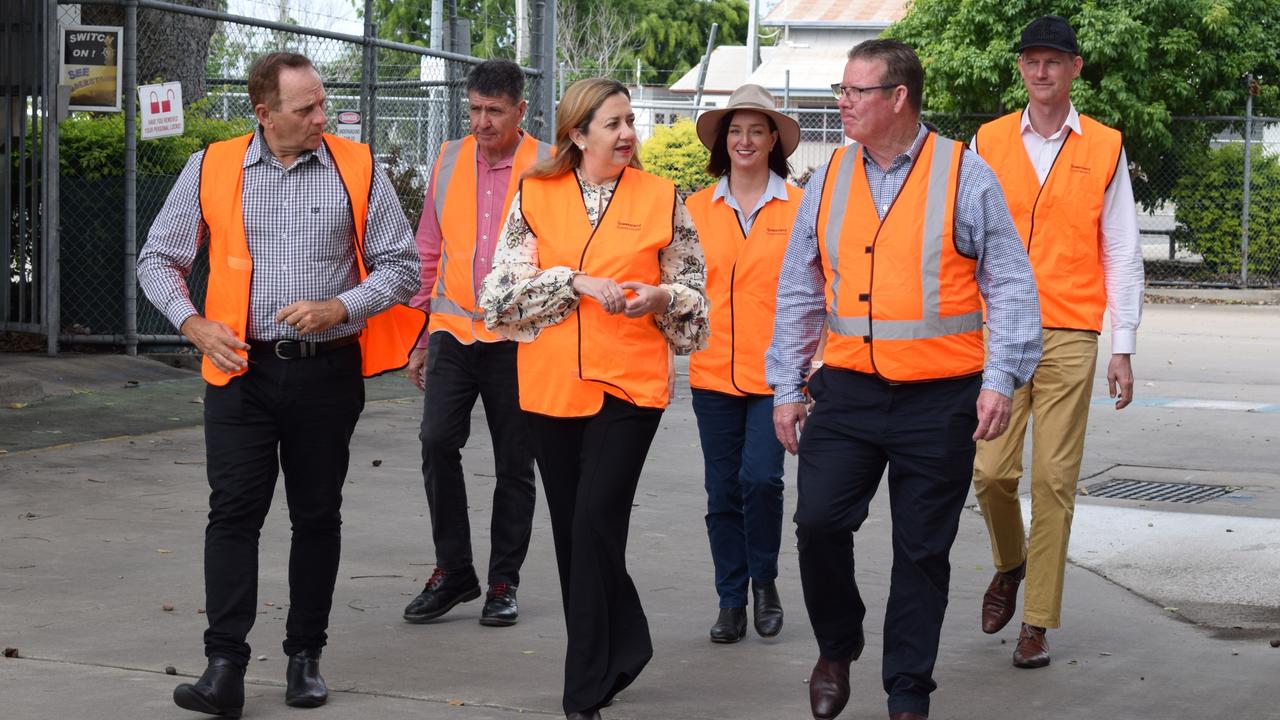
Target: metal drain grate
[1123, 489]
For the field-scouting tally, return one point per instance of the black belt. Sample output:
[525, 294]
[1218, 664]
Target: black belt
[300, 349]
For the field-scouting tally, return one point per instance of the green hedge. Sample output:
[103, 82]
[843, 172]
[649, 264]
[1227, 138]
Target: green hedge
[91, 145]
[1209, 199]
[91, 158]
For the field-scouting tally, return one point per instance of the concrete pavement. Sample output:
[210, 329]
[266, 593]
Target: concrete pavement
[98, 536]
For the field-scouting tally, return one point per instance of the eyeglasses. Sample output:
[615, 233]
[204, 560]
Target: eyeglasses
[855, 93]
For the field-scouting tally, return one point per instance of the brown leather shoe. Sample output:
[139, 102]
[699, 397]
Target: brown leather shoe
[1001, 599]
[1033, 648]
[828, 688]
[907, 716]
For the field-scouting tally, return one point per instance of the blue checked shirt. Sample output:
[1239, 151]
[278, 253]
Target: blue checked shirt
[301, 237]
[983, 228]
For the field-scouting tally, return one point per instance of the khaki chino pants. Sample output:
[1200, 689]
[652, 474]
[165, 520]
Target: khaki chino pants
[1057, 401]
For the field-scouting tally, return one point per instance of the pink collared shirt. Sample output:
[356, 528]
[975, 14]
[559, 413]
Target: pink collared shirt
[491, 190]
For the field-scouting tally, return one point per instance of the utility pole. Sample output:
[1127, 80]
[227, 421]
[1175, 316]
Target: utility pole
[522, 32]
[753, 33]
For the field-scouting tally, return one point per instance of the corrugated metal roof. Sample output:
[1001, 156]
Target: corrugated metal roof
[730, 65]
[836, 13]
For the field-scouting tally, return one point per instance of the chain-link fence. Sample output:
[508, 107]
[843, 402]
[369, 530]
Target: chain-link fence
[1191, 212]
[411, 99]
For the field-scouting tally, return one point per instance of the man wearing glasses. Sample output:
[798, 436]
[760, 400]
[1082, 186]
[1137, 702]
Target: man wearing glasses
[898, 242]
[1068, 186]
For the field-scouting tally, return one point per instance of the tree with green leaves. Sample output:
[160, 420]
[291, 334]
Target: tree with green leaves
[1145, 61]
[667, 36]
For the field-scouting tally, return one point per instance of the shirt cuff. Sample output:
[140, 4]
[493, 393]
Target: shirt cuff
[180, 312]
[356, 312]
[1000, 381]
[784, 394]
[1124, 342]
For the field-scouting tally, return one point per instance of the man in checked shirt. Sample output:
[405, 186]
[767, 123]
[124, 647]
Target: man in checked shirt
[310, 258]
[896, 245]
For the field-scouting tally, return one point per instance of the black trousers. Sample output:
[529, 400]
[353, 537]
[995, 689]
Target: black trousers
[924, 433]
[456, 375]
[295, 415]
[590, 468]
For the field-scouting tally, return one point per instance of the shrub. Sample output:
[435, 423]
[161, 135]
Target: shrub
[677, 154]
[1209, 199]
[91, 145]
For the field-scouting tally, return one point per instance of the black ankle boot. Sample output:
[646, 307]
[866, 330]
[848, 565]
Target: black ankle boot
[767, 608]
[219, 691]
[731, 625]
[304, 688]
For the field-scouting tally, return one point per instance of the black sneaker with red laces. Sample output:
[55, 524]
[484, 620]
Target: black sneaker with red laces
[442, 592]
[500, 608]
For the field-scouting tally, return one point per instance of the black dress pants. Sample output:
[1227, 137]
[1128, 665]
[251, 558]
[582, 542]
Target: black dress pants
[590, 468]
[295, 415]
[456, 375]
[924, 433]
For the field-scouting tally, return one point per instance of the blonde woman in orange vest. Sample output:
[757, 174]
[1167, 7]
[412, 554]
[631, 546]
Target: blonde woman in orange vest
[1067, 181]
[743, 221]
[597, 274]
[310, 256]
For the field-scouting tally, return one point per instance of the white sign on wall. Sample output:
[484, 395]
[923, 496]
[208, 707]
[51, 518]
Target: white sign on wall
[161, 110]
[349, 125]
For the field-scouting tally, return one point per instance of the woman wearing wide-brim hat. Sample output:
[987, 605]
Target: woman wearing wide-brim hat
[744, 221]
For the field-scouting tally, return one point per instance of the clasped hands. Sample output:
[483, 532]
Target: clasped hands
[220, 344]
[632, 299]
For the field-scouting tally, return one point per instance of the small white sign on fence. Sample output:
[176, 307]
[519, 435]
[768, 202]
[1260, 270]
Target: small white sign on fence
[161, 110]
[349, 125]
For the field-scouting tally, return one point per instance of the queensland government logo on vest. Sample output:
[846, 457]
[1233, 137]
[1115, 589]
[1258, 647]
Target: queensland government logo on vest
[624, 225]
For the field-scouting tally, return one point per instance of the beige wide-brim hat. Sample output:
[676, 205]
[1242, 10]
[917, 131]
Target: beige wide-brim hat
[751, 97]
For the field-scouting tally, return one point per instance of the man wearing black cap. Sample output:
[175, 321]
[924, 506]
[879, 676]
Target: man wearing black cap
[1066, 180]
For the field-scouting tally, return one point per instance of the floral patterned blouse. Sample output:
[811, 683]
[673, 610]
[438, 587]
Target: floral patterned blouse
[519, 297]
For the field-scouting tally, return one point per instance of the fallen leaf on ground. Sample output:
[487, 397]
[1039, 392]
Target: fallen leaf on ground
[11, 652]
[163, 551]
[167, 607]
[17, 406]
[170, 670]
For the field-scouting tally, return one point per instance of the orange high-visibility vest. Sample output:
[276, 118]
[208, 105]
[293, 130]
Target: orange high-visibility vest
[902, 302]
[453, 299]
[568, 368]
[387, 338]
[1061, 222]
[742, 289]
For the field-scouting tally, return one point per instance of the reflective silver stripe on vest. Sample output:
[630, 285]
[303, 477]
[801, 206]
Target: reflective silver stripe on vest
[932, 324]
[448, 161]
[835, 216]
[442, 304]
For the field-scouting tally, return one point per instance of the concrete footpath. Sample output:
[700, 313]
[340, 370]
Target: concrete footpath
[103, 500]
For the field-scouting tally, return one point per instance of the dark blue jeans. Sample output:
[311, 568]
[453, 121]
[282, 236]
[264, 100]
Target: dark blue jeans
[923, 432]
[743, 461]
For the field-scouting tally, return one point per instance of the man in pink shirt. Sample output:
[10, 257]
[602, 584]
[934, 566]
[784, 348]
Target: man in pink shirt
[457, 360]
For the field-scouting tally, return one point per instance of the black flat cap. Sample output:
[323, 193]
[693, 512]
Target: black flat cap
[1050, 31]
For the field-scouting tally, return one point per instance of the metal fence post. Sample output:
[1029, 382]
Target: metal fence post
[367, 70]
[1248, 177]
[51, 106]
[130, 92]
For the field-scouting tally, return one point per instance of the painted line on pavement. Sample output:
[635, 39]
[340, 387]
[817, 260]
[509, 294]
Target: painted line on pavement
[1194, 404]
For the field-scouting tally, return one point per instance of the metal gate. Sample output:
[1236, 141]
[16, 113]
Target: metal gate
[28, 158]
